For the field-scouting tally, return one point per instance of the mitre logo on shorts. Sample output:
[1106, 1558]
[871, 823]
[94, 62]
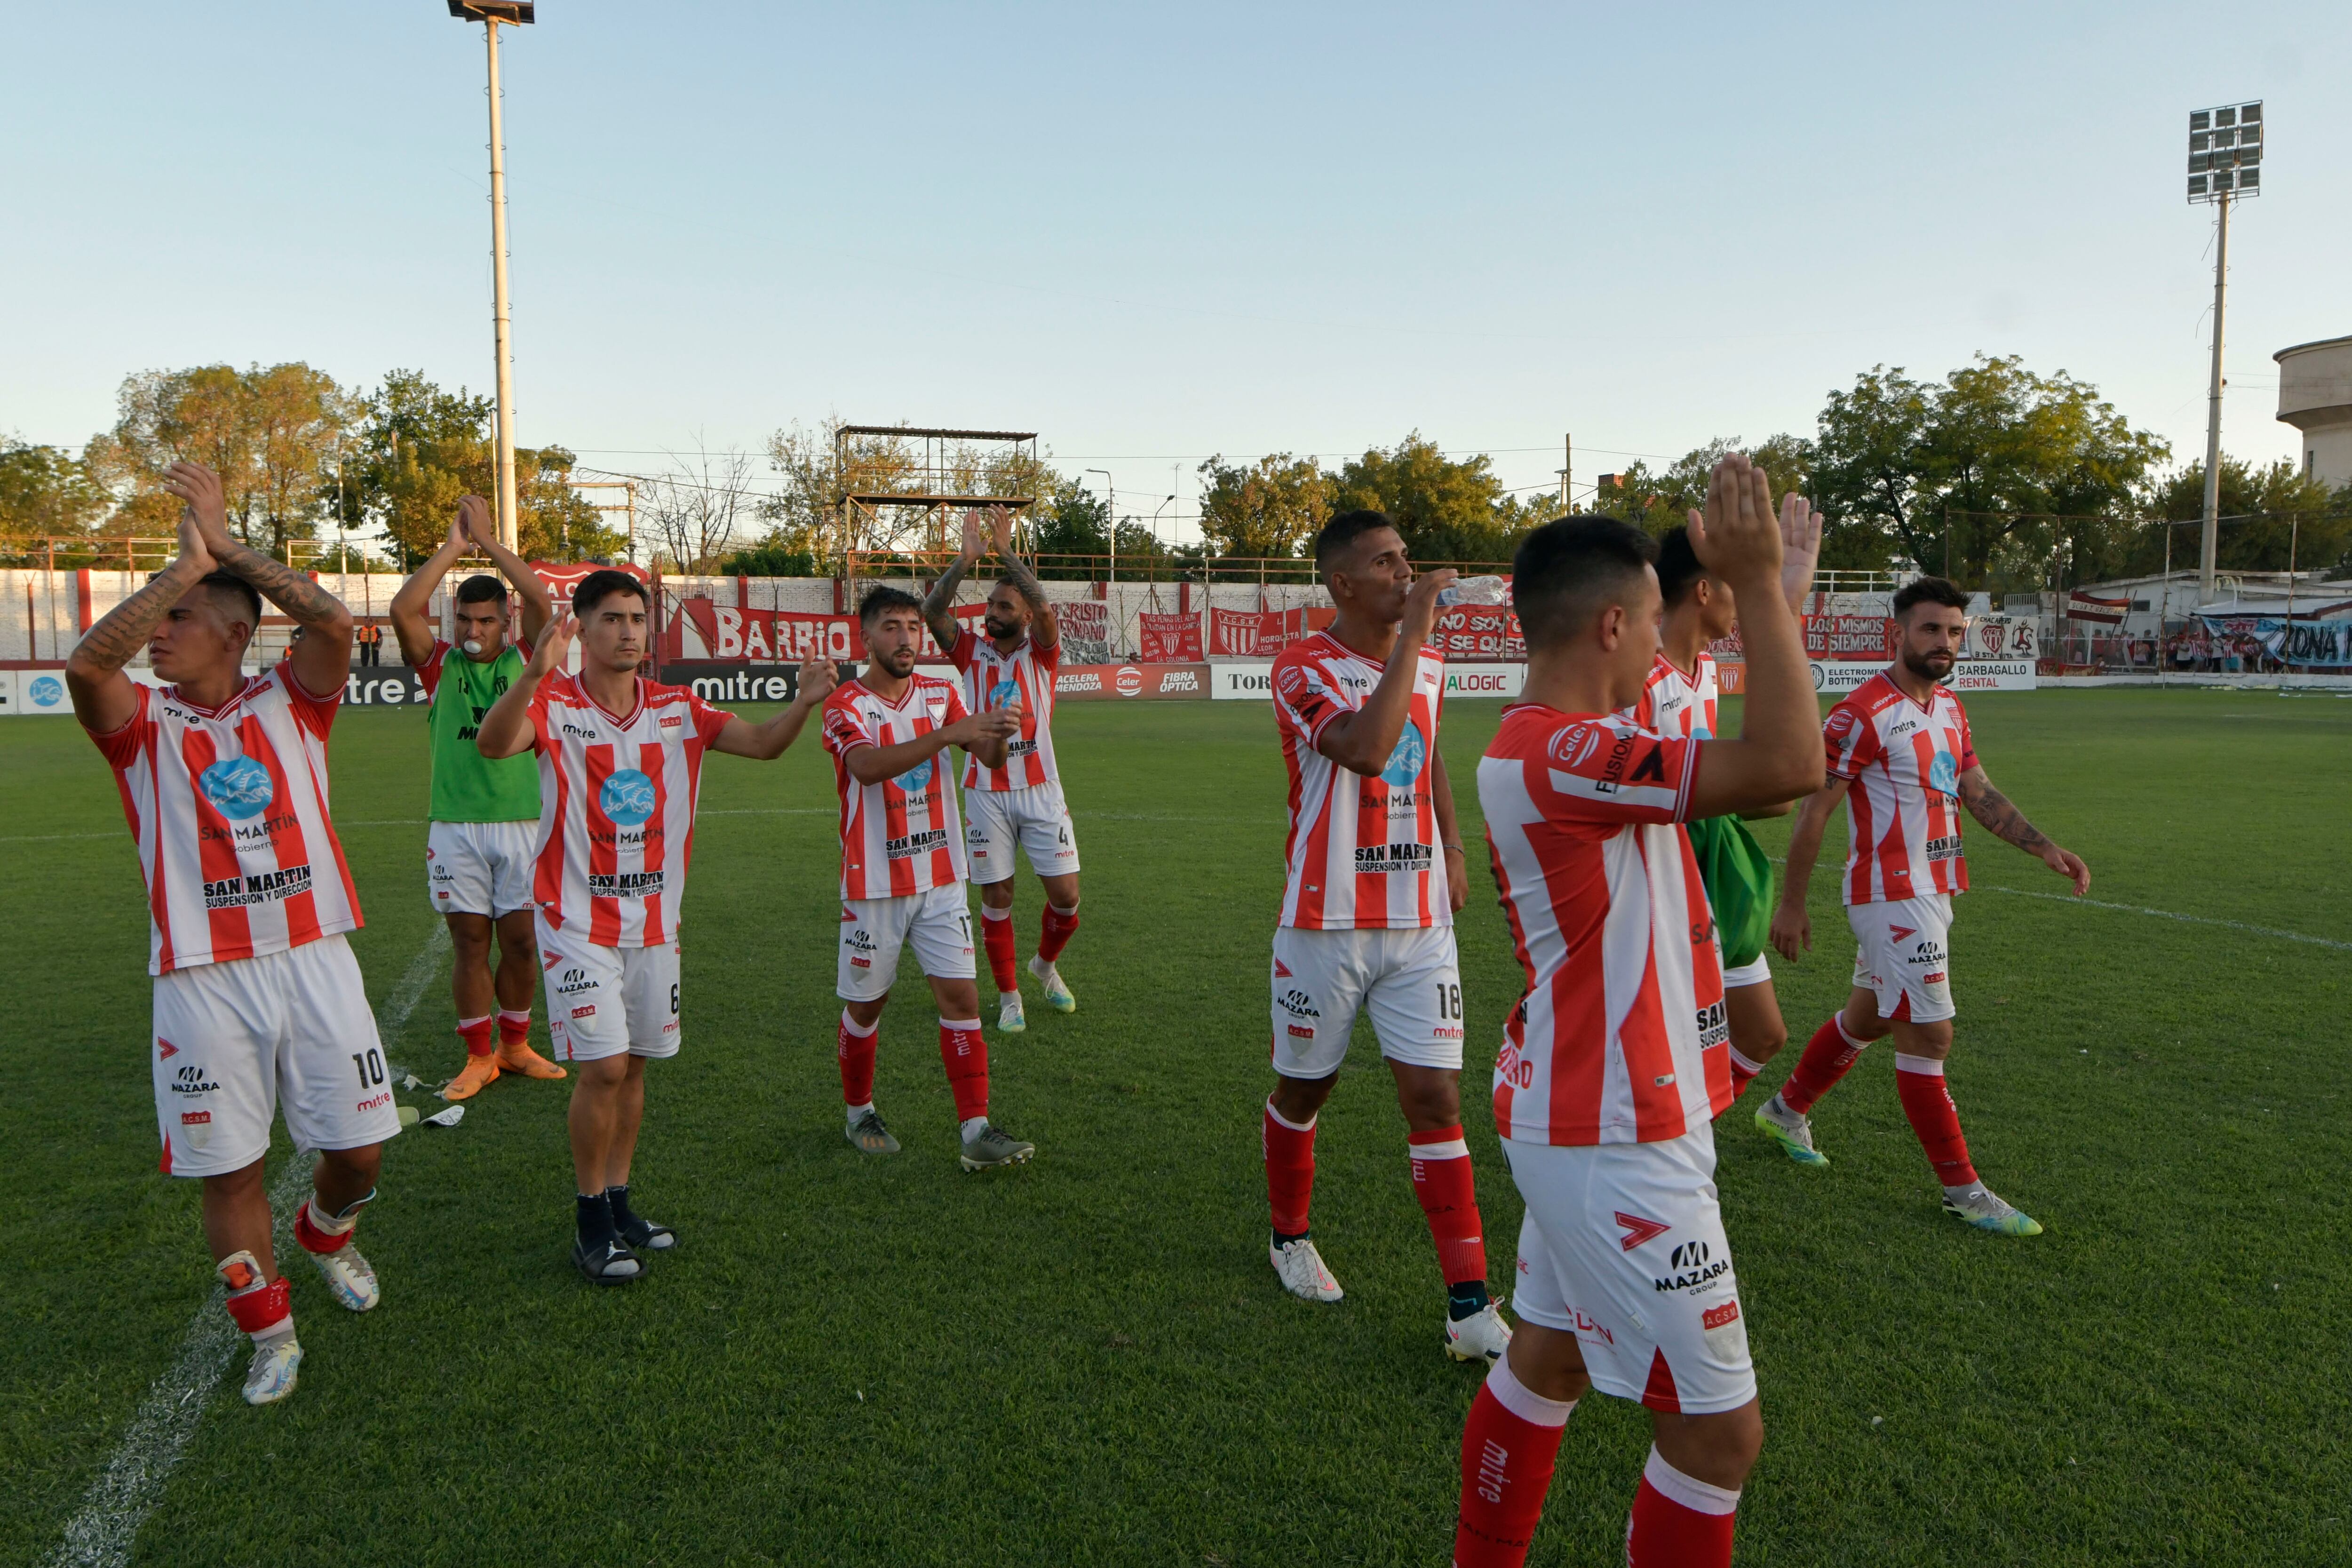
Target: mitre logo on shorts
[376, 1102]
[1693, 1267]
[194, 1080]
[1298, 1004]
[1574, 743]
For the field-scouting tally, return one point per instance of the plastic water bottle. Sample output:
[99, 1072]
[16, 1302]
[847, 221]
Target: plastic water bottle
[1471, 590]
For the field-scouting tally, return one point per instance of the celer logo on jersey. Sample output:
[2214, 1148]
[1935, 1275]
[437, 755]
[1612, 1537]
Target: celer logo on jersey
[238, 787]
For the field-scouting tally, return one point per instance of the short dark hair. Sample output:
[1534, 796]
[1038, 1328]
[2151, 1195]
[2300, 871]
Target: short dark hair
[883, 598]
[1678, 565]
[1928, 590]
[598, 587]
[1343, 531]
[1567, 572]
[481, 588]
[245, 593]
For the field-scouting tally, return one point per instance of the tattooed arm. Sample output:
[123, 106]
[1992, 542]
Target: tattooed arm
[938, 605]
[322, 659]
[104, 697]
[1044, 627]
[1992, 808]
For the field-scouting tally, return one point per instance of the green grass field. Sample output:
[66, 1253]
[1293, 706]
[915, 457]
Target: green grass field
[853, 1360]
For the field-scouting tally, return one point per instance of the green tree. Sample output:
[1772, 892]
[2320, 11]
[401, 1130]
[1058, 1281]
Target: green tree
[2268, 514]
[47, 494]
[1445, 508]
[1272, 507]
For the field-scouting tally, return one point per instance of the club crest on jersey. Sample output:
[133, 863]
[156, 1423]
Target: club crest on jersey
[627, 797]
[238, 787]
[1404, 761]
[1944, 774]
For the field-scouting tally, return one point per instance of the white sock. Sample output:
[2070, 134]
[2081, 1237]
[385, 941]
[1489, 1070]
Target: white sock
[973, 1126]
[855, 1112]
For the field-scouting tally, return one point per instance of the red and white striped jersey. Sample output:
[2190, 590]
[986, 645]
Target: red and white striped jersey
[992, 679]
[1363, 852]
[1621, 1037]
[1904, 762]
[229, 805]
[616, 800]
[1674, 703]
[901, 835]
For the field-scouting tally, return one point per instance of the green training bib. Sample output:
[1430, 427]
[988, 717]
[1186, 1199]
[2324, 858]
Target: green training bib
[466, 785]
[1739, 877]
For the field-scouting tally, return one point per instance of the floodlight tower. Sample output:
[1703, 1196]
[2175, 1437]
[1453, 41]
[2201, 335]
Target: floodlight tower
[514, 14]
[2225, 157]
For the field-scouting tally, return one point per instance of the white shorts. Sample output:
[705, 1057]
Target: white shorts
[1757, 974]
[1622, 1246]
[1407, 979]
[235, 1040]
[1034, 817]
[1902, 956]
[603, 1001]
[479, 867]
[938, 923]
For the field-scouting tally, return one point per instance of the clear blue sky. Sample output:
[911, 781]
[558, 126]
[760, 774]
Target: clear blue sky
[1153, 234]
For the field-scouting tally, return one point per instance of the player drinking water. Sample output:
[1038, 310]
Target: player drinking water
[485, 814]
[902, 868]
[1612, 1065]
[1903, 738]
[1376, 873]
[620, 770]
[258, 1000]
[1021, 801]
[1680, 699]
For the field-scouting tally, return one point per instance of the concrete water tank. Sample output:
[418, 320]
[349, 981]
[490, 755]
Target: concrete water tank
[2316, 397]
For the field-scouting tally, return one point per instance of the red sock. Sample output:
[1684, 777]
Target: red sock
[1441, 1180]
[259, 1309]
[996, 935]
[1289, 1171]
[858, 1060]
[964, 1054]
[1509, 1446]
[1743, 1072]
[1678, 1521]
[476, 1033]
[316, 1238]
[1928, 1102]
[514, 1028]
[1054, 931]
[1827, 1057]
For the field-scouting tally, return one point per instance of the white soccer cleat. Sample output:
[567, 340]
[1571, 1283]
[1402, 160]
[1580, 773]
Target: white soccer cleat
[1301, 1268]
[350, 1276]
[1981, 1208]
[1057, 991]
[1483, 1336]
[1010, 1019]
[270, 1378]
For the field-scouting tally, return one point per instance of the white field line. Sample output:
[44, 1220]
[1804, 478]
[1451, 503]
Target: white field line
[102, 1533]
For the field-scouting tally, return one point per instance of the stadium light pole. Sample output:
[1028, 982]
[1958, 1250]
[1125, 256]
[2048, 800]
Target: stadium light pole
[490, 14]
[2225, 156]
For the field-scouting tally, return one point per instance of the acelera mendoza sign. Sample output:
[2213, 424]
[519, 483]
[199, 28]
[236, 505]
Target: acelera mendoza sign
[1243, 681]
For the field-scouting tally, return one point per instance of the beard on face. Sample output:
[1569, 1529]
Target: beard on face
[1930, 665]
[999, 631]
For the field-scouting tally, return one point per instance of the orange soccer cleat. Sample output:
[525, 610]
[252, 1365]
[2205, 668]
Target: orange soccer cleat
[481, 1071]
[516, 1056]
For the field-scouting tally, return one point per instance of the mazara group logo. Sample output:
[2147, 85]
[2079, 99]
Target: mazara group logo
[627, 798]
[238, 787]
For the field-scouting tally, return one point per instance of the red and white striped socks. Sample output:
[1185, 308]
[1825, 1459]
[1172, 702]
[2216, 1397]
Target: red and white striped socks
[1678, 1521]
[1508, 1447]
[1449, 1199]
[1828, 1055]
[996, 936]
[1289, 1171]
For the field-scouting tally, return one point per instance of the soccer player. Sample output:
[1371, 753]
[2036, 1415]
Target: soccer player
[485, 814]
[902, 868]
[1021, 801]
[620, 768]
[1375, 874]
[1680, 699]
[1614, 1063]
[257, 997]
[1902, 737]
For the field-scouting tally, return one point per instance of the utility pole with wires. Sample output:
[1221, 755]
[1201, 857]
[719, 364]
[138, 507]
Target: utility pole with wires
[491, 14]
[1567, 470]
[2225, 156]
